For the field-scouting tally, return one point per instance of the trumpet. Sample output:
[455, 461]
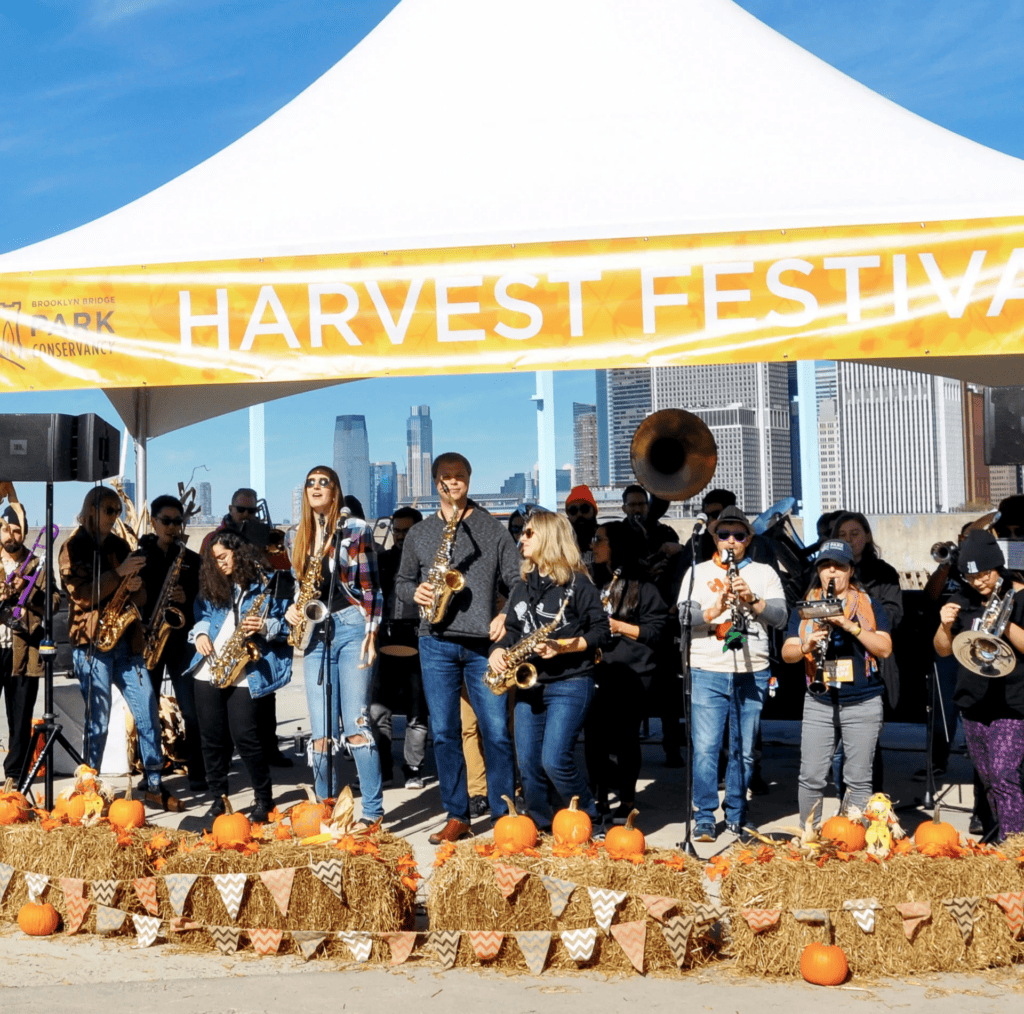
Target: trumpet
[944, 552]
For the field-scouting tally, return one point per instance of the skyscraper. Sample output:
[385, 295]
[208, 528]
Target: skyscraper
[601, 385]
[352, 457]
[384, 489]
[584, 435]
[204, 498]
[419, 441]
[628, 400]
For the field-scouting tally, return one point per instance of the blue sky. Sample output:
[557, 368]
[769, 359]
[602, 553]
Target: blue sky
[103, 101]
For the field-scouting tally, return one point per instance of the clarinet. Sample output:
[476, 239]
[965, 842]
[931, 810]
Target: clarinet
[818, 685]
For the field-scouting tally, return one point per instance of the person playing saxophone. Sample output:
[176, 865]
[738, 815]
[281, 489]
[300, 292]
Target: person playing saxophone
[98, 568]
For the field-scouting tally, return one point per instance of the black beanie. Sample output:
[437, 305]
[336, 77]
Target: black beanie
[980, 552]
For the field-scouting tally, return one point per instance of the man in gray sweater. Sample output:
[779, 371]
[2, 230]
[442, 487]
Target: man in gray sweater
[455, 650]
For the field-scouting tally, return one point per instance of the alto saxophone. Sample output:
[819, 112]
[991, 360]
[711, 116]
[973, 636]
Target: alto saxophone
[442, 576]
[117, 616]
[165, 617]
[307, 602]
[241, 648]
[518, 672]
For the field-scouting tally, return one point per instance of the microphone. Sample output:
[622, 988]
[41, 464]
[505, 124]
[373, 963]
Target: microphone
[343, 515]
[702, 523]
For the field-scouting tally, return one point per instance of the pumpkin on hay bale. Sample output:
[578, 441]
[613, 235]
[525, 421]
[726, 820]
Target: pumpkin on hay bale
[464, 894]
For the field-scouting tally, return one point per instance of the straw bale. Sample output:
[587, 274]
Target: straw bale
[464, 895]
[937, 945]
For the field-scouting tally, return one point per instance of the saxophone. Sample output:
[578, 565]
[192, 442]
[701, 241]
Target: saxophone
[117, 616]
[307, 603]
[442, 576]
[241, 648]
[518, 672]
[165, 617]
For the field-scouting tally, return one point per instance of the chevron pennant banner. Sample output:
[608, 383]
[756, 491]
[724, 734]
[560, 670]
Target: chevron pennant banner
[76, 907]
[72, 887]
[147, 928]
[486, 943]
[535, 945]
[109, 920]
[231, 887]
[676, 932]
[580, 943]
[401, 945]
[963, 911]
[329, 872]
[446, 943]
[812, 916]
[308, 941]
[604, 902]
[279, 884]
[863, 912]
[179, 886]
[707, 911]
[6, 872]
[265, 940]
[359, 944]
[631, 937]
[761, 919]
[507, 877]
[180, 924]
[559, 892]
[1013, 905]
[145, 888]
[104, 891]
[914, 913]
[36, 884]
[658, 905]
[225, 937]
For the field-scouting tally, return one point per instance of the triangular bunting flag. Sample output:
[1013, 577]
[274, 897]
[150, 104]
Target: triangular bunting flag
[446, 943]
[863, 912]
[147, 927]
[535, 945]
[279, 884]
[486, 943]
[812, 915]
[507, 877]
[1013, 905]
[631, 937]
[604, 903]
[559, 892]
[145, 888]
[579, 943]
[6, 872]
[36, 884]
[401, 945]
[677, 932]
[109, 920]
[225, 937]
[265, 940]
[73, 887]
[179, 886]
[308, 941]
[329, 871]
[708, 911]
[231, 887]
[963, 911]
[914, 913]
[76, 907]
[658, 905]
[761, 919]
[180, 924]
[104, 891]
[358, 943]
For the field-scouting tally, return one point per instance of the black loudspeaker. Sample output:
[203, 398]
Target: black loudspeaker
[57, 448]
[1004, 425]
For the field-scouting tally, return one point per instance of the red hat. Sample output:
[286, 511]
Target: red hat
[581, 493]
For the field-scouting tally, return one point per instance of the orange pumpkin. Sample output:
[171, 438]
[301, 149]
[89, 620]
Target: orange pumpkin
[625, 842]
[14, 807]
[230, 827]
[307, 817]
[127, 813]
[74, 808]
[843, 831]
[823, 965]
[38, 920]
[571, 826]
[936, 832]
[513, 832]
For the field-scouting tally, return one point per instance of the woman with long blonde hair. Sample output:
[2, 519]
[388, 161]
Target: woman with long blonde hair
[549, 716]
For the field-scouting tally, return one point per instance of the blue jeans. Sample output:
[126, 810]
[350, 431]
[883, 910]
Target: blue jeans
[96, 672]
[445, 665]
[548, 722]
[350, 696]
[736, 698]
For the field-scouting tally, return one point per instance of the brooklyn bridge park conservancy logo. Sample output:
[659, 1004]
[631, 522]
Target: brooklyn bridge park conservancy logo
[10, 339]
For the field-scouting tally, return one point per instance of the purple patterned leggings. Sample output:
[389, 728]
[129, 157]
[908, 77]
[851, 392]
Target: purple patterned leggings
[997, 749]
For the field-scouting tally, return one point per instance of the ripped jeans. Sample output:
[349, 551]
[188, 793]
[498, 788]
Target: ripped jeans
[350, 697]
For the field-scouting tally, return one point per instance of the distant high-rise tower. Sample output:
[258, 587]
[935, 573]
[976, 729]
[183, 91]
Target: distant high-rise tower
[628, 401]
[384, 491]
[402, 487]
[419, 441]
[297, 494]
[204, 498]
[601, 384]
[352, 457]
[584, 435]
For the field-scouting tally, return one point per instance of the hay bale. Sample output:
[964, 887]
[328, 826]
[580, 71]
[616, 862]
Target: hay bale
[937, 946]
[464, 895]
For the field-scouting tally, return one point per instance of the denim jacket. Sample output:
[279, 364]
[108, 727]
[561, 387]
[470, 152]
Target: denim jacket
[274, 669]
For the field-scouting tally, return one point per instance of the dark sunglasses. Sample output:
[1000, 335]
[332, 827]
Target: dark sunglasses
[244, 510]
[528, 533]
[732, 534]
[112, 511]
[583, 508]
[321, 481]
[171, 521]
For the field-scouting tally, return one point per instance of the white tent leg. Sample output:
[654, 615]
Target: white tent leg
[547, 495]
[141, 435]
[257, 451]
[810, 464]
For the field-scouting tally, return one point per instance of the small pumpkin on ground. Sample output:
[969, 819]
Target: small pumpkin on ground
[514, 832]
[230, 827]
[824, 965]
[936, 832]
[848, 833]
[306, 817]
[571, 826]
[127, 813]
[14, 807]
[38, 919]
[625, 842]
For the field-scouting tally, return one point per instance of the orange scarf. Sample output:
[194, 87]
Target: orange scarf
[856, 607]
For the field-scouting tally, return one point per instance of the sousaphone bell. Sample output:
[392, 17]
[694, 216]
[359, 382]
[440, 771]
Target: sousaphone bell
[673, 454]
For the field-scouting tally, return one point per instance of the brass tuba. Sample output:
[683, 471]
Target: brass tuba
[673, 454]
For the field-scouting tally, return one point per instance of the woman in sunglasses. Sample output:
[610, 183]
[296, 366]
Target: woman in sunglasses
[94, 564]
[334, 552]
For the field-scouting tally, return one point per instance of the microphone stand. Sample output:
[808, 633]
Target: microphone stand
[326, 637]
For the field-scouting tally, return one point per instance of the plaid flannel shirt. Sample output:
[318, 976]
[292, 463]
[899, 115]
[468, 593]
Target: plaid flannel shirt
[359, 582]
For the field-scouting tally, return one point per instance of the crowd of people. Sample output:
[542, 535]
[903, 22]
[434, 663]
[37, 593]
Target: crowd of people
[504, 643]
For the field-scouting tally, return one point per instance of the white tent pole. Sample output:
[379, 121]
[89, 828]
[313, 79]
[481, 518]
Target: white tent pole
[257, 451]
[141, 434]
[810, 464]
[547, 495]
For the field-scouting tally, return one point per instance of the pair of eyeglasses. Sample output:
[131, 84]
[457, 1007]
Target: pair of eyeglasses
[111, 512]
[598, 538]
[583, 508]
[170, 521]
[321, 481]
[244, 510]
[738, 536]
[528, 533]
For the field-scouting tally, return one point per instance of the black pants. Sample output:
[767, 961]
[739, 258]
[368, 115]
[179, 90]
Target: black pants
[232, 712]
[613, 727]
[20, 694]
[184, 693]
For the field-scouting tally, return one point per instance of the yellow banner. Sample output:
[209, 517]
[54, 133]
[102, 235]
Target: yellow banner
[921, 289]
